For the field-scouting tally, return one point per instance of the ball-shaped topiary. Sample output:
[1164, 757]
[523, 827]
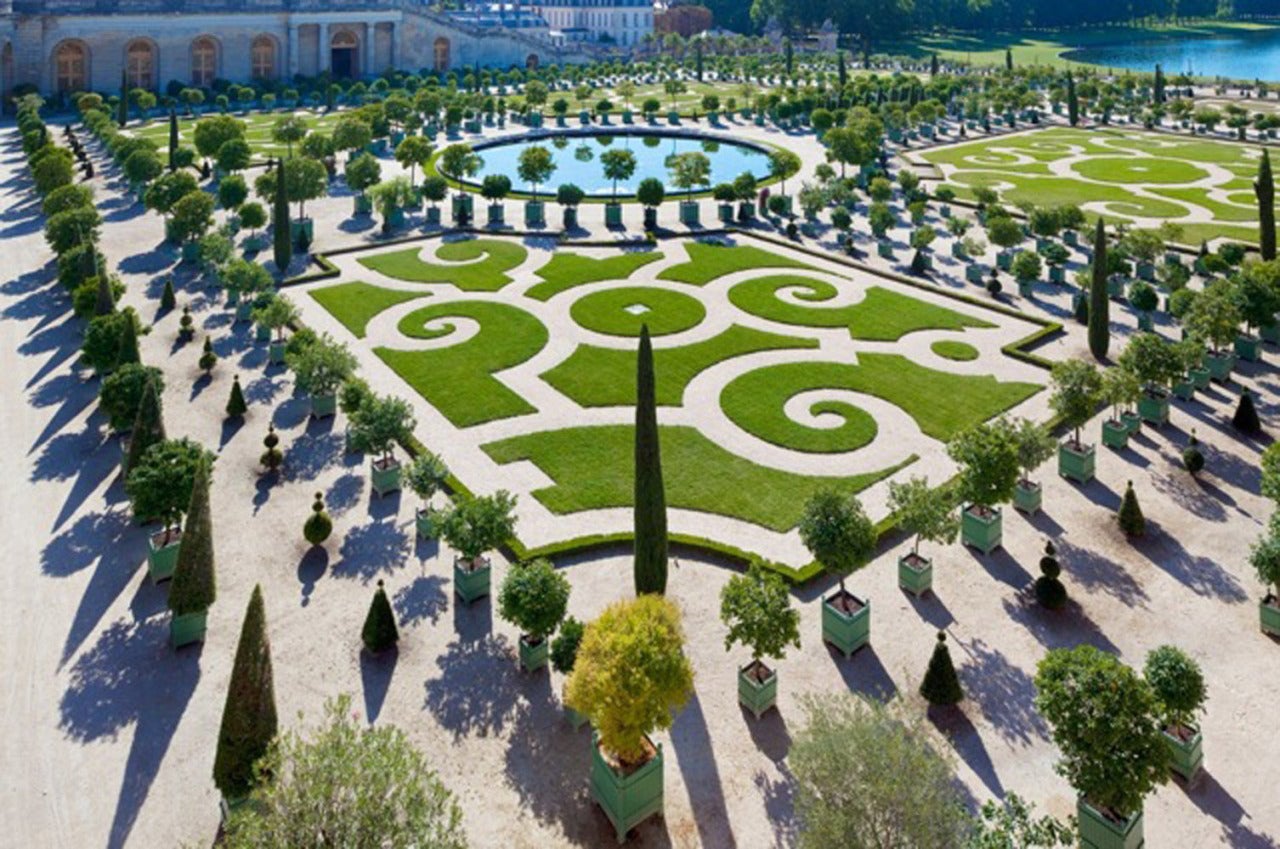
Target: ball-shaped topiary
[1178, 684]
[380, 632]
[318, 525]
[1049, 590]
[941, 685]
[187, 324]
[564, 648]
[1192, 456]
[1132, 522]
[273, 457]
[208, 359]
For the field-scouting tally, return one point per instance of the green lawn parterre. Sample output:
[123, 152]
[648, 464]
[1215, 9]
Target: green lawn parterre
[568, 270]
[473, 265]
[624, 311]
[354, 304]
[711, 260]
[949, 349]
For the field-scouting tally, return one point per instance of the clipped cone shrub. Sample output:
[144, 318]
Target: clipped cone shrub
[148, 427]
[1132, 522]
[128, 351]
[236, 406]
[1246, 418]
[249, 722]
[941, 685]
[273, 457]
[208, 359]
[380, 632]
[1049, 590]
[168, 300]
[318, 525]
[1192, 456]
[194, 586]
[105, 302]
[1082, 311]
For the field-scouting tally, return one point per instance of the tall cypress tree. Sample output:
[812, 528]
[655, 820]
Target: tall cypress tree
[933, 65]
[1008, 59]
[841, 71]
[1099, 304]
[128, 341]
[1159, 84]
[106, 300]
[249, 716]
[148, 427]
[1265, 190]
[122, 108]
[194, 586]
[173, 139]
[697, 57]
[650, 497]
[1073, 101]
[281, 229]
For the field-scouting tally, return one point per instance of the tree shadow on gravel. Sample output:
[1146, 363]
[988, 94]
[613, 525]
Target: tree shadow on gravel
[864, 673]
[1003, 692]
[71, 395]
[1202, 575]
[109, 543]
[311, 568]
[478, 689]
[1002, 566]
[423, 600]
[375, 679]
[698, 766]
[1216, 801]
[1055, 629]
[779, 797]
[967, 743]
[368, 550]
[344, 494]
[1095, 572]
[307, 455]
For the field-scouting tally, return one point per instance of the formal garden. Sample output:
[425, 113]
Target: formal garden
[916, 489]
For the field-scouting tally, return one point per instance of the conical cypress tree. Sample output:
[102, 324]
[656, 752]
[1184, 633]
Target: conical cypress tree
[194, 586]
[128, 343]
[1159, 84]
[173, 139]
[168, 300]
[941, 686]
[650, 496]
[106, 302]
[1264, 188]
[380, 632]
[933, 65]
[249, 716]
[122, 108]
[1132, 522]
[842, 72]
[1073, 101]
[208, 358]
[236, 406]
[1099, 305]
[148, 427]
[1008, 59]
[281, 230]
[1246, 418]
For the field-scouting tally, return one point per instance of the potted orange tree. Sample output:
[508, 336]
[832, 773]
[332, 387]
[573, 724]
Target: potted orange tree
[756, 607]
[1178, 683]
[987, 454]
[159, 486]
[1157, 363]
[925, 513]
[1035, 445]
[534, 598]
[376, 426]
[564, 655]
[841, 538]
[426, 476]
[320, 368]
[472, 527]
[1265, 559]
[630, 677]
[1077, 388]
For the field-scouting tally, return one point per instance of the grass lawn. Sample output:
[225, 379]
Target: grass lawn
[959, 351]
[622, 312]
[1138, 170]
[354, 304]
[942, 403]
[758, 408]
[258, 129]
[593, 468]
[606, 377]
[481, 264]
[709, 260]
[568, 270]
[458, 380]
[883, 315]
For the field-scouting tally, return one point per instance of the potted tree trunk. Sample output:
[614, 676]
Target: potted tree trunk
[1265, 559]
[630, 678]
[1035, 446]
[1104, 721]
[1214, 318]
[1121, 389]
[926, 513]
[277, 314]
[1179, 687]
[988, 458]
[1156, 363]
[426, 476]
[194, 587]
[534, 598]
[472, 527]
[376, 427]
[841, 538]
[1077, 390]
[320, 368]
[159, 486]
[756, 607]
[564, 655]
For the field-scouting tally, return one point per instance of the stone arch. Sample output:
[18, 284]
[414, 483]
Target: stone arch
[263, 55]
[70, 60]
[141, 60]
[206, 57]
[442, 50]
[531, 62]
[344, 54]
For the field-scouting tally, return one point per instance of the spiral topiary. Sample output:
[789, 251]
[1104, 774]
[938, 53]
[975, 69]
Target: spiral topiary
[318, 525]
[208, 359]
[187, 324]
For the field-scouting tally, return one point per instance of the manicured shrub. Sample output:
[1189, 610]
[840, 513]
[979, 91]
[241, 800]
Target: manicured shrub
[1192, 456]
[756, 608]
[380, 632]
[1264, 557]
[168, 300]
[187, 324]
[318, 525]
[272, 457]
[1132, 522]
[148, 425]
[159, 485]
[1049, 590]
[249, 722]
[194, 586]
[120, 394]
[208, 358]
[564, 648]
[1178, 683]
[650, 511]
[837, 533]
[320, 364]
[101, 348]
[236, 406]
[941, 685]
[379, 424]
[534, 597]
[1245, 419]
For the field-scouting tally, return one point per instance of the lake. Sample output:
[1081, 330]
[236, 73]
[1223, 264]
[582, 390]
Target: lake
[1246, 56]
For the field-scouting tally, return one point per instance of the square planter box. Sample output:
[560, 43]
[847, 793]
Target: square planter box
[885, 250]
[1185, 389]
[1269, 616]
[1115, 434]
[433, 216]
[463, 207]
[533, 657]
[1026, 288]
[1186, 757]
[1077, 463]
[1132, 422]
[471, 584]
[1004, 260]
[627, 799]
[162, 558]
[1071, 238]
[1248, 348]
[1145, 322]
[323, 406]
[1028, 498]
[1271, 334]
[570, 220]
[757, 696]
[650, 218]
[275, 353]
[848, 632]
[300, 226]
[385, 478]
[424, 521]
[983, 533]
[974, 274]
[244, 311]
[1146, 271]
[915, 574]
[190, 251]
[362, 205]
[746, 211]
[187, 628]
[689, 213]
[1200, 377]
[1154, 408]
[396, 219]
[1099, 832]
[497, 214]
[535, 214]
[613, 215]
[958, 251]
[1220, 365]
[1057, 274]
[262, 333]
[724, 212]
[1115, 287]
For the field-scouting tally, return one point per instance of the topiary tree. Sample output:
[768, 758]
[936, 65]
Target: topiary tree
[923, 512]
[101, 348]
[159, 484]
[838, 534]
[194, 588]
[650, 193]
[1130, 517]
[1099, 303]
[191, 217]
[1245, 418]
[322, 366]
[1104, 721]
[1077, 389]
[249, 723]
[534, 597]
[208, 358]
[379, 632]
[756, 608]
[987, 454]
[477, 525]
[120, 394]
[148, 426]
[318, 525]
[413, 152]
[1026, 266]
[236, 406]
[362, 172]
[1155, 361]
[941, 685]
[1049, 590]
[1178, 684]
[564, 648]
[276, 314]
[619, 164]
[426, 476]
[631, 675]
[1034, 444]
[650, 504]
[379, 424]
[168, 300]
[1192, 456]
[535, 167]
[1214, 317]
[272, 458]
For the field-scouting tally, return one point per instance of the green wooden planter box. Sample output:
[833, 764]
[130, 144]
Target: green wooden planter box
[1070, 238]
[1132, 422]
[974, 274]
[1220, 365]
[1098, 832]
[1026, 288]
[1200, 377]
[463, 208]
[433, 216]
[533, 657]
[1154, 408]
[323, 406]
[1057, 274]
[1077, 465]
[848, 632]
[689, 213]
[535, 214]
[1269, 616]
[1146, 271]
[471, 584]
[1145, 322]
[576, 719]
[1185, 757]
[746, 211]
[757, 697]
[982, 534]
[162, 559]
[275, 353]
[1185, 389]
[613, 214]
[261, 333]
[187, 629]
[915, 574]
[1115, 287]
[1115, 434]
[425, 522]
[1248, 348]
[300, 226]
[362, 205]
[1028, 499]
[385, 479]
[190, 251]
[724, 212]
[1271, 334]
[497, 214]
[958, 251]
[627, 800]
[570, 218]
[885, 249]
[1004, 260]
[244, 311]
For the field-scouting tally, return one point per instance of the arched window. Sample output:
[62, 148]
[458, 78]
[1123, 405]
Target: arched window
[344, 39]
[262, 58]
[442, 54]
[71, 67]
[140, 65]
[204, 61]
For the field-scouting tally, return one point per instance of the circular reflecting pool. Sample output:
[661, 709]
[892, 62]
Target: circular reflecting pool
[577, 158]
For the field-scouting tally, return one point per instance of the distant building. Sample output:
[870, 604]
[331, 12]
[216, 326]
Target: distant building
[621, 22]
